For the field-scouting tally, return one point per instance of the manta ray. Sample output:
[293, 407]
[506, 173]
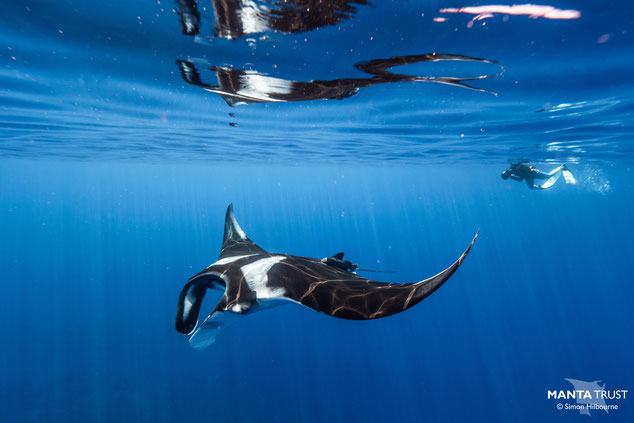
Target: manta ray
[253, 279]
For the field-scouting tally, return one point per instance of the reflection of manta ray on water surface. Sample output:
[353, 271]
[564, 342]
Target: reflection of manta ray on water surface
[236, 18]
[239, 86]
[253, 279]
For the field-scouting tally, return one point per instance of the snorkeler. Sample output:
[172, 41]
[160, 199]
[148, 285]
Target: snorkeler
[521, 171]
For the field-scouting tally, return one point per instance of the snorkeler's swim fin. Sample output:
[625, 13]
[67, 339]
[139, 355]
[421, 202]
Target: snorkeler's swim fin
[562, 170]
[550, 181]
[568, 177]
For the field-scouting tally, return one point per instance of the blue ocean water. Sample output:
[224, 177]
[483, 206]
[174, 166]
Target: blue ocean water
[375, 128]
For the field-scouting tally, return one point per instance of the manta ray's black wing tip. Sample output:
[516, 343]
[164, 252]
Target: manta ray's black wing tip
[428, 286]
[418, 291]
[235, 242]
[462, 257]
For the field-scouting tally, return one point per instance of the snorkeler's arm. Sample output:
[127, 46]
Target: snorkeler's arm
[517, 178]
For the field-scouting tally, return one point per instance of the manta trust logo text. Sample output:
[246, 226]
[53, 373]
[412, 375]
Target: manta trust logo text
[586, 396]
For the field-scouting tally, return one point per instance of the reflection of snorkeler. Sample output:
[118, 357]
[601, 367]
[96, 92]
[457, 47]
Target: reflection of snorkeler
[521, 171]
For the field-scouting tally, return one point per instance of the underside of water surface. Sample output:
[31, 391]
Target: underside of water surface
[391, 131]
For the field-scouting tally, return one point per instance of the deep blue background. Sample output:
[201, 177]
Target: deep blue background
[93, 256]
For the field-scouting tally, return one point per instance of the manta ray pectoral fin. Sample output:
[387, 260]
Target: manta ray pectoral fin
[338, 256]
[217, 321]
[349, 296]
[235, 241]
